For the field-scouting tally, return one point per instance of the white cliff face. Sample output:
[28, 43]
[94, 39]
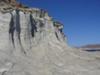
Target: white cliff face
[31, 43]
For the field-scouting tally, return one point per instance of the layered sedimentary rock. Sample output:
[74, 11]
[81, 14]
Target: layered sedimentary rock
[32, 43]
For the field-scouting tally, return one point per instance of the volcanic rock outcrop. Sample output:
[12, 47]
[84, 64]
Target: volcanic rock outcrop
[32, 43]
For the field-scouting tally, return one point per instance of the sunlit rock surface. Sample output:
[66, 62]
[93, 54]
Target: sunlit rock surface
[32, 43]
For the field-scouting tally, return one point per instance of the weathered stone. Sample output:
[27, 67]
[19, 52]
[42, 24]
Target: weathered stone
[32, 43]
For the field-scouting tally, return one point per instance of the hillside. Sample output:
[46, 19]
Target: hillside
[33, 43]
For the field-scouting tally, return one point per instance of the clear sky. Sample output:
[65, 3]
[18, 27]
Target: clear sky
[81, 18]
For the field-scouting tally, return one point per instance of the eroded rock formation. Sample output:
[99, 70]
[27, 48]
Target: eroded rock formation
[32, 43]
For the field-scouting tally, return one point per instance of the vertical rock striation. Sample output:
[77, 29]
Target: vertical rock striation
[32, 43]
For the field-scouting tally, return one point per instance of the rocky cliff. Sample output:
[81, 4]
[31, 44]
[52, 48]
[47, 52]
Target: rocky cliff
[32, 43]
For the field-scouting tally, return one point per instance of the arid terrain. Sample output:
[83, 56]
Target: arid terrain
[33, 43]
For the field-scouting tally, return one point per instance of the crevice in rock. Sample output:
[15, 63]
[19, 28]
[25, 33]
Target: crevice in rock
[18, 28]
[57, 35]
[15, 26]
[33, 25]
[11, 29]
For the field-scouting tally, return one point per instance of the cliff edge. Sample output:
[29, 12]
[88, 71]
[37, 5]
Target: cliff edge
[32, 43]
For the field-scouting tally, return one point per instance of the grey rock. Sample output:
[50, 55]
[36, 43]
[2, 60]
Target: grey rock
[34, 44]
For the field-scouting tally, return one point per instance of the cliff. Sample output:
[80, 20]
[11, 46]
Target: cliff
[32, 43]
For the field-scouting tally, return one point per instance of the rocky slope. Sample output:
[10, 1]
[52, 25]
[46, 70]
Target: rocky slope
[32, 43]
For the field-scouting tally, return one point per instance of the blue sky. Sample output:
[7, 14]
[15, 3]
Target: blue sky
[81, 18]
